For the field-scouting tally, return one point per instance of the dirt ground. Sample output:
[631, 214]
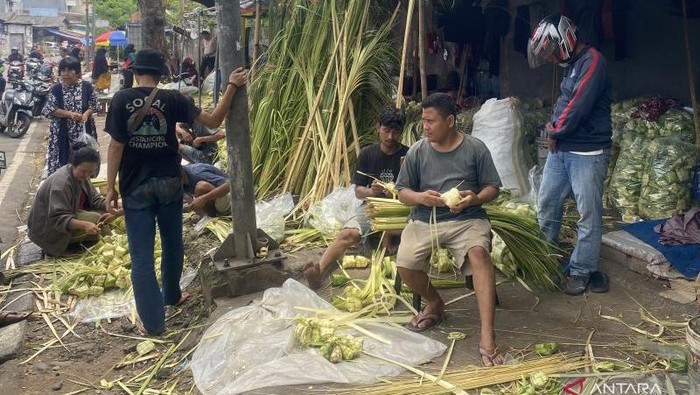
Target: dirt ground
[92, 353]
[523, 319]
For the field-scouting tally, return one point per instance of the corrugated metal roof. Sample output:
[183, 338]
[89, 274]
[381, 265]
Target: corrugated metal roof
[38, 21]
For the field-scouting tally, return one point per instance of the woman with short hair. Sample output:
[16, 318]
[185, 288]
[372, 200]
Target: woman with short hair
[67, 208]
[70, 106]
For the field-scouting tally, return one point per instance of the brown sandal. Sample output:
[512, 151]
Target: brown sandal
[493, 358]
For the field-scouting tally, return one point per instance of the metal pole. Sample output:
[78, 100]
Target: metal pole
[87, 30]
[94, 22]
[240, 163]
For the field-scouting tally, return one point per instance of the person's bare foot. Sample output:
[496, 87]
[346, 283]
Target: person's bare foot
[312, 274]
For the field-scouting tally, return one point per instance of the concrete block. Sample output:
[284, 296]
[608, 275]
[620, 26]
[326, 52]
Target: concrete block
[11, 339]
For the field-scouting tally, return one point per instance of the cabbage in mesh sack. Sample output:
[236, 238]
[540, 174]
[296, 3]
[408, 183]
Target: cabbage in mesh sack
[626, 182]
[666, 182]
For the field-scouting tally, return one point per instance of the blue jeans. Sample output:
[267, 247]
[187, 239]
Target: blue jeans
[581, 175]
[157, 199]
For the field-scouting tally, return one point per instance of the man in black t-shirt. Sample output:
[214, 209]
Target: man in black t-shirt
[144, 150]
[381, 161]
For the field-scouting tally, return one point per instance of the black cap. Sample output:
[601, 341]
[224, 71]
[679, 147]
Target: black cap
[150, 60]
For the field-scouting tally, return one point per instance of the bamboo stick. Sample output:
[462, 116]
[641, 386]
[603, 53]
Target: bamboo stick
[314, 109]
[409, 16]
[256, 38]
[421, 49]
[463, 70]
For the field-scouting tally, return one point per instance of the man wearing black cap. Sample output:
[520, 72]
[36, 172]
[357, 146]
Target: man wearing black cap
[144, 150]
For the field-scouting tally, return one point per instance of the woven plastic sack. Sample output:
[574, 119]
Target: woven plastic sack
[499, 125]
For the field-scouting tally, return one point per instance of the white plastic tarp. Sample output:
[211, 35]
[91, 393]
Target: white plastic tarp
[253, 347]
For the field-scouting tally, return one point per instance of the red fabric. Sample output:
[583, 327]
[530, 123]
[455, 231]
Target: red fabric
[607, 20]
[83, 200]
[595, 59]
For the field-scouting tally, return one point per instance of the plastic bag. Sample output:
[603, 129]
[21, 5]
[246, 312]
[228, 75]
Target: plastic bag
[208, 84]
[534, 177]
[270, 215]
[620, 116]
[332, 213]
[499, 125]
[666, 181]
[253, 347]
[116, 303]
[626, 182]
[678, 124]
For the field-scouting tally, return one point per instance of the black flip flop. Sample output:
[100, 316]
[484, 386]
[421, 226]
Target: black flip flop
[599, 282]
[434, 318]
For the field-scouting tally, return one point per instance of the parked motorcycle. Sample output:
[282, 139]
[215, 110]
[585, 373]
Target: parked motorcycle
[40, 95]
[3, 81]
[15, 71]
[32, 65]
[16, 109]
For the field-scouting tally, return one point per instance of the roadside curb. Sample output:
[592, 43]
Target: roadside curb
[12, 336]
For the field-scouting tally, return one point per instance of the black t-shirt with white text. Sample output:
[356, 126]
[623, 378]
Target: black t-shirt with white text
[379, 165]
[152, 149]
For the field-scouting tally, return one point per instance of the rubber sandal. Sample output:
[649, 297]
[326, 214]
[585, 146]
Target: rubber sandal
[434, 319]
[493, 358]
[12, 317]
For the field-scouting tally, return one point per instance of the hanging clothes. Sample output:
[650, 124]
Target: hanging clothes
[521, 30]
[586, 15]
[497, 20]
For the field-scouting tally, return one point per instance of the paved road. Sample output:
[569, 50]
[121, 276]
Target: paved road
[25, 161]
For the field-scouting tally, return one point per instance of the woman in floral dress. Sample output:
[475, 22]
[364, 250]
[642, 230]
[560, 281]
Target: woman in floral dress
[70, 106]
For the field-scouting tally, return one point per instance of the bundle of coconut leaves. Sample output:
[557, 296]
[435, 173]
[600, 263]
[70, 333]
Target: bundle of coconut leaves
[314, 104]
[532, 259]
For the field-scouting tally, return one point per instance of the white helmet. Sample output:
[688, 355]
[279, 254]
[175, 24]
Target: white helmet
[555, 35]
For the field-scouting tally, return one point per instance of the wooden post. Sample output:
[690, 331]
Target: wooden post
[421, 49]
[416, 69]
[409, 16]
[256, 36]
[463, 69]
[240, 164]
[691, 81]
[244, 41]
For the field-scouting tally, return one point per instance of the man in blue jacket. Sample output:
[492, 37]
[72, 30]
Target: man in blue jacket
[579, 146]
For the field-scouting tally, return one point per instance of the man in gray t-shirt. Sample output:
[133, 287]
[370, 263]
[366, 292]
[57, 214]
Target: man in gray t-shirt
[445, 159]
[198, 143]
[468, 167]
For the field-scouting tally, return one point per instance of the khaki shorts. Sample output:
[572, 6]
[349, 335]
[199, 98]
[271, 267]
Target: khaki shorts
[457, 236]
[223, 205]
[359, 222]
